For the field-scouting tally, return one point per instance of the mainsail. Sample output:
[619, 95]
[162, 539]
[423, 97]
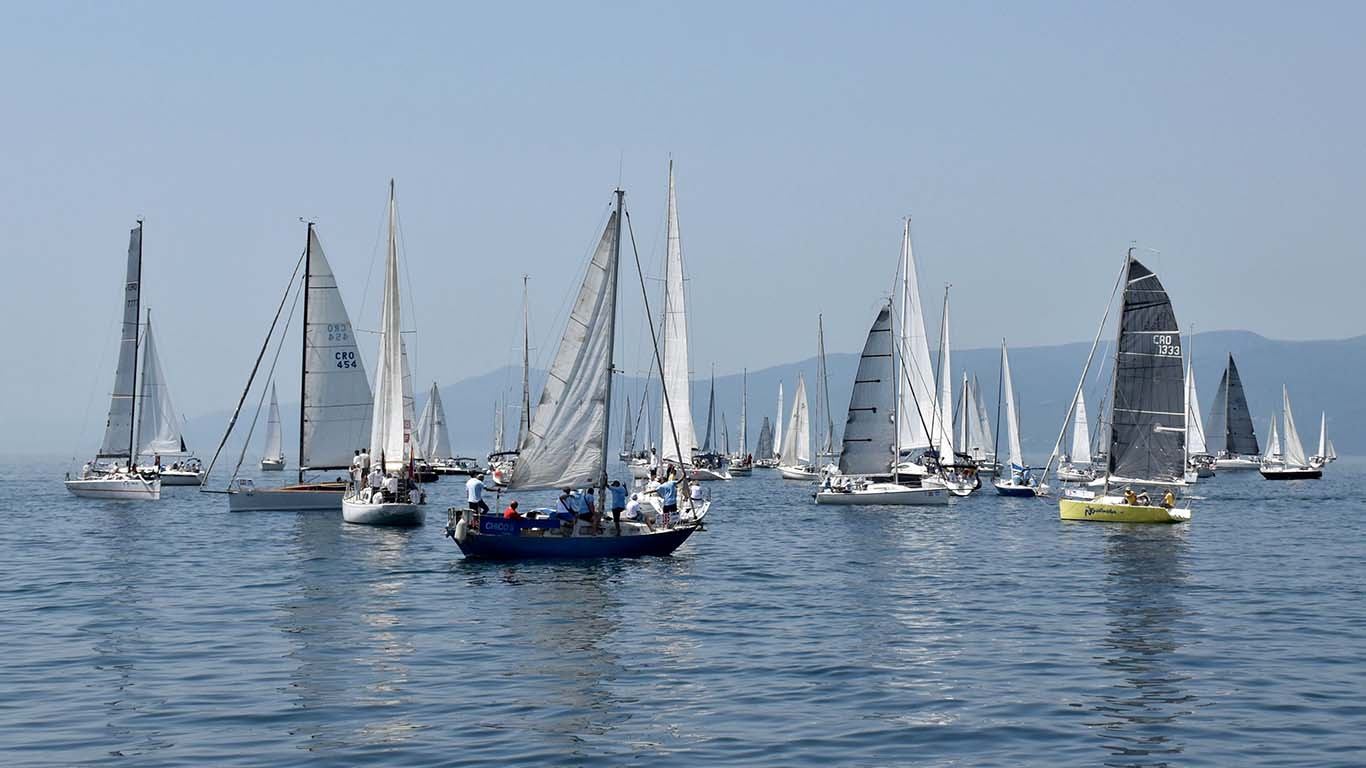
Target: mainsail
[869, 444]
[711, 416]
[1323, 436]
[417, 450]
[765, 447]
[118, 429]
[1195, 430]
[565, 446]
[677, 399]
[1230, 426]
[778, 424]
[390, 440]
[498, 429]
[917, 401]
[796, 450]
[1273, 443]
[431, 432]
[336, 400]
[1016, 456]
[1148, 424]
[274, 445]
[1293, 450]
[943, 426]
[1081, 434]
[983, 435]
[159, 430]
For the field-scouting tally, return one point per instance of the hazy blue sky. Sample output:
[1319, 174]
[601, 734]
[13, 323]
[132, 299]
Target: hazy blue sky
[1031, 143]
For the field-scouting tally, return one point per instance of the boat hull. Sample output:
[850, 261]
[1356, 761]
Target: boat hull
[392, 515]
[1233, 463]
[797, 473]
[1074, 475]
[272, 466]
[124, 488]
[1006, 489]
[708, 474]
[1310, 473]
[738, 471]
[1112, 509]
[886, 494]
[291, 498]
[180, 477]
[478, 546]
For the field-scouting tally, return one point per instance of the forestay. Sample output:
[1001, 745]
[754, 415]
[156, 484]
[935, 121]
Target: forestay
[336, 395]
[1148, 426]
[118, 429]
[677, 400]
[565, 444]
[159, 429]
[869, 445]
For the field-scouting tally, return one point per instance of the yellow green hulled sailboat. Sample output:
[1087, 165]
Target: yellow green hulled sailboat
[1146, 467]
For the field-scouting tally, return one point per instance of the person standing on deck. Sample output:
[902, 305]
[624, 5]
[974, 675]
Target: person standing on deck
[474, 493]
[618, 494]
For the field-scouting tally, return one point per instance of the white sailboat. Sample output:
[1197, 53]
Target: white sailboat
[112, 473]
[432, 437]
[1199, 462]
[503, 463]
[1292, 464]
[741, 462]
[1078, 466]
[334, 396]
[273, 459]
[974, 430]
[919, 419]
[825, 420]
[771, 459]
[679, 442]
[399, 501]
[161, 443]
[795, 462]
[1326, 454]
[868, 455]
[1014, 480]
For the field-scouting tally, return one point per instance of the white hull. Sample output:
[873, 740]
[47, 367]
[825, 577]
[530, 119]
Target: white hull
[1071, 474]
[1237, 462]
[126, 488]
[799, 473]
[180, 477]
[885, 494]
[247, 499]
[272, 465]
[403, 515]
[704, 473]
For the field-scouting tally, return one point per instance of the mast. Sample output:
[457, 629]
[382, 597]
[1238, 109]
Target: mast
[611, 342]
[828, 439]
[303, 349]
[996, 438]
[744, 409]
[132, 420]
[524, 423]
[1114, 374]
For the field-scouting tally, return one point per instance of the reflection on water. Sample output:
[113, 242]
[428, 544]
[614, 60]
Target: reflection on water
[1146, 571]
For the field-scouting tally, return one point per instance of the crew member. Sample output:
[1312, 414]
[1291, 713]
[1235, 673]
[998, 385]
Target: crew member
[474, 493]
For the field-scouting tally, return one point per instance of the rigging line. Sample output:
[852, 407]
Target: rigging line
[289, 287]
[90, 398]
[659, 359]
[255, 417]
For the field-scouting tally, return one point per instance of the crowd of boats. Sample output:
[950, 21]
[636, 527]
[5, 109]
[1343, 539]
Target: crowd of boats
[908, 438]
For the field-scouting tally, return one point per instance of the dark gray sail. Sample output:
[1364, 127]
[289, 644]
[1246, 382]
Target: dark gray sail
[711, 417]
[1242, 440]
[1218, 418]
[870, 430]
[765, 446]
[1148, 431]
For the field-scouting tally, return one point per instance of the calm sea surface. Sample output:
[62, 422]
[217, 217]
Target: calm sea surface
[987, 633]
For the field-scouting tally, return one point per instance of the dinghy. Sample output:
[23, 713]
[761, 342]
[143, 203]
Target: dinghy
[1147, 421]
[1230, 425]
[1291, 464]
[566, 446]
[399, 502]
[112, 475]
[867, 466]
[161, 443]
[273, 459]
[334, 396]
[1015, 481]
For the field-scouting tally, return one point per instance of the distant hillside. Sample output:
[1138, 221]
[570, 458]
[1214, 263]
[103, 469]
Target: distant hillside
[1322, 376]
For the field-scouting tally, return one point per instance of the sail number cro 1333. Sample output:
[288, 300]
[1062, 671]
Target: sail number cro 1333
[1164, 346]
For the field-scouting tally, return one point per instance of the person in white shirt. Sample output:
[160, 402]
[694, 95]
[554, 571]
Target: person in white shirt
[376, 480]
[391, 487]
[632, 509]
[696, 494]
[357, 478]
[474, 493]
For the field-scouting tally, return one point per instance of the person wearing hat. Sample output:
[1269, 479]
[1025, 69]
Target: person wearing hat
[474, 493]
[618, 494]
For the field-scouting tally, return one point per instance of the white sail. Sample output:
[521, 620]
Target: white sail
[917, 404]
[416, 448]
[336, 401]
[274, 448]
[498, 429]
[118, 429]
[983, 436]
[1293, 450]
[564, 447]
[797, 441]
[1081, 434]
[778, 422]
[944, 414]
[960, 416]
[677, 385]
[390, 438]
[158, 425]
[1016, 458]
[1195, 426]
[1273, 443]
[1323, 436]
[436, 439]
[1332, 452]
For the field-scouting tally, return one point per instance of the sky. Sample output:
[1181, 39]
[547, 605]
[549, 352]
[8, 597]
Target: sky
[1030, 143]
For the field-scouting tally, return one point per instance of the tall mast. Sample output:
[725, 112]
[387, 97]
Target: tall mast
[896, 396]
[612, 337]
[828, 439]
[303, 349]
[524, 423]
[744, 408]
[1114, 372]
[132, 420]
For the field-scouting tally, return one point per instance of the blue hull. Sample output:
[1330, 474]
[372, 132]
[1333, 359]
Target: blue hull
[486, 547]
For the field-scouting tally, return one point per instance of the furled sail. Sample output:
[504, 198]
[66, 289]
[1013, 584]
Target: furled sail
[1195, 429]
[274, 448]
[869, 444]
[765, 447]
[1293, 450]
[917, 405]
[677, 400]
[1148, 425]
[336, 401]
[564, 447]
[390, 437]
[159, 430]
[1081, 434]
[1016, 456]
[118, 430]
[797, 440]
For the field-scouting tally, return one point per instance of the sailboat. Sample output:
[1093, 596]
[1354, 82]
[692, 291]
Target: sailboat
[825, 420]
[795, 462]
[1199, 463]
[1292, 464]
[1326, 454]
[955, 470]
[334, 395]
[1016, 480]
[1147, 421]
[868, 452]
[161, 444]
[764, 447]
[710, 463]
[432, 436]
[503, 463]
[974, 430]
[566, 444]
[1077, 467]
[770, 452]
[1230, 425]
[112, 474]
[400, 501]
[273, 458]
[741, 462]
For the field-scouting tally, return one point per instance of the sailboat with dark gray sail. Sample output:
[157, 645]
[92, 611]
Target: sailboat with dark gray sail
[1230, 432]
